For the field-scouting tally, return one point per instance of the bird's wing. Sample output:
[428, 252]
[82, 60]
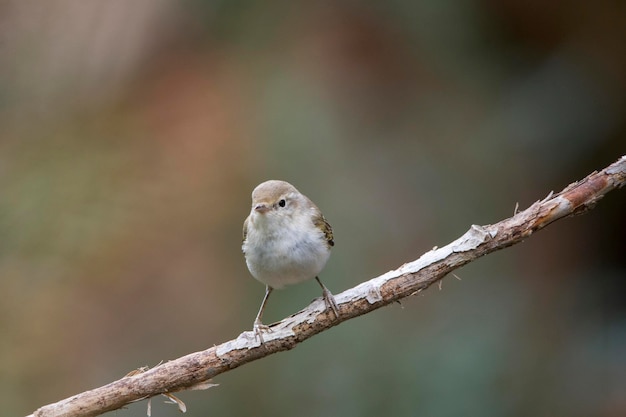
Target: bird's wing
[321, 223]
[245, 230]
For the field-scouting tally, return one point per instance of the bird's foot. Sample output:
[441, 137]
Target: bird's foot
[260, 328]
[329, 298]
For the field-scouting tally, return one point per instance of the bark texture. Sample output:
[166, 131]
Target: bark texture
[194, 370]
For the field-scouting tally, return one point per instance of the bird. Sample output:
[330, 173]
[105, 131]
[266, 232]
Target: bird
[286, 240]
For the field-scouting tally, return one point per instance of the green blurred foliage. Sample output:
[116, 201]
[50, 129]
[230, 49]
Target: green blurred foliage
[133, 133]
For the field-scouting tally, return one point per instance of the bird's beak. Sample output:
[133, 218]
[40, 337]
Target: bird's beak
[261, 208]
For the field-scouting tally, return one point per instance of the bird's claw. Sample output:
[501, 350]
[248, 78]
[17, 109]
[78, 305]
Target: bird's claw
[330, 301]
[260, 328]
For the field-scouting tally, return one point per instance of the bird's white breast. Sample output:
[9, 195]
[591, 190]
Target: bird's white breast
[284, 251]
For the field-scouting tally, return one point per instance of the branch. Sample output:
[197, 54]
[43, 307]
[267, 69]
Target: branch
[195, 369]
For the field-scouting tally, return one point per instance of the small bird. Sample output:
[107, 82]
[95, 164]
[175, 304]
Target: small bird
[286, 240]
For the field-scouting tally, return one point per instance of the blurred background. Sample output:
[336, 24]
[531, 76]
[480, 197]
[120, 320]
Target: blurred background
[131, 136]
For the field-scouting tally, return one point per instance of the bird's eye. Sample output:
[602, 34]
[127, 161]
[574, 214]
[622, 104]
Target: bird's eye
[282, 202]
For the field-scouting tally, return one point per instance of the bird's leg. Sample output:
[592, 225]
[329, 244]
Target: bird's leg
[259, 327]
[329, 298]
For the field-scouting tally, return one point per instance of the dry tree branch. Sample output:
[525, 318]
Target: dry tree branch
[195, 369]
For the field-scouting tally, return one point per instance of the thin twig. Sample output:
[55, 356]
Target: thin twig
[195, 369]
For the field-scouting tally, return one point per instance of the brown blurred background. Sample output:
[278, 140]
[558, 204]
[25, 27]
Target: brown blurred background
[131, 136]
